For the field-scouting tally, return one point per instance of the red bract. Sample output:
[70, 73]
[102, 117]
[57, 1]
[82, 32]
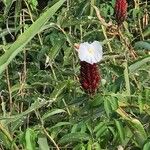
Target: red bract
[89, 77]
[120, 11]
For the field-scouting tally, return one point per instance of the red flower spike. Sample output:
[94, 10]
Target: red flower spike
[120, 11]
[89, 77]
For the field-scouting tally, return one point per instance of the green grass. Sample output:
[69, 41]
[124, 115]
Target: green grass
[42, 103]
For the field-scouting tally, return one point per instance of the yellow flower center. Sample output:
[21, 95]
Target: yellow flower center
[91, 51]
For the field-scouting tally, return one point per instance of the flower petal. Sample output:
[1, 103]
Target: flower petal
[82, 52]
[98, 50]
[90, 53]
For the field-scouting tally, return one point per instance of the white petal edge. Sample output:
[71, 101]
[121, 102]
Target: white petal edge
[83, 52]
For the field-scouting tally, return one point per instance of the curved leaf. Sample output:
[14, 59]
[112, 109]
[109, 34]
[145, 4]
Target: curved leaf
[52, 112]
[142, 45]
[23, 39]
[135, 66]
[74, 137]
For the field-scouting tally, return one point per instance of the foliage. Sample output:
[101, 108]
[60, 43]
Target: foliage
[42, 103]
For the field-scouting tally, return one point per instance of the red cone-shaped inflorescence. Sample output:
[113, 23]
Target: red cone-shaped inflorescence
[120, 11]
[89, 77]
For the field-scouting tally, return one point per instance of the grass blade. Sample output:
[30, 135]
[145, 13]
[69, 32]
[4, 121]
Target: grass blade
[23, 39]
[135, 66]
[74, 137]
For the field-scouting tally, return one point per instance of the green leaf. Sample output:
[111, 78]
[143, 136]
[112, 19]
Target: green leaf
[99, 126]
[59, 124]
[147, 31]
[136, 12]
[34, 3]
[120, 131]
[74, 137]
[23, 39]
[98, 100]
[36, 105]
[101, 131]
[107, 106]
[52, 112]
[83, 128]
[43, 144]
[136, 65]
[17, 87]
[126, 78]
[142, 45]
[114, 103]
[89, 145]
[55, 49]
[147, 146]
[139, 127]
[67, 55]
[8, 4]
[5, 141]
[74, 128]
[116, 69]
[30, 139]
[140, 103]
[58, 89]
[97, 146]
[138, 130]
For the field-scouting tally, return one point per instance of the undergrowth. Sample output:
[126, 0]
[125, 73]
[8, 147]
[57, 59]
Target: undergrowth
[42, 103]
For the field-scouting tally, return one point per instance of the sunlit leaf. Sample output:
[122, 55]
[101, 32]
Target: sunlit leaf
[121, 131]
[43, 144]
[146, 146]
[30, 139]
[52, 112]
[107, 106]
[138, 130]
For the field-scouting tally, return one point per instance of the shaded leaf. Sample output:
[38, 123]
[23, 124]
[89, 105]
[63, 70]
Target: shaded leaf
[23, 39]
[58, 89]
[36, 105]
[74, 137]
[147, 31]
[142, 45]
[136, 65]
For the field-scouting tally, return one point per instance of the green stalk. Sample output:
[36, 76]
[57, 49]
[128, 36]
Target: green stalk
[6, 133]
[91, 8]
[126, 77]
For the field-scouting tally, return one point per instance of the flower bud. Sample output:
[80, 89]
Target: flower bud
[89, 77]
[120, 11]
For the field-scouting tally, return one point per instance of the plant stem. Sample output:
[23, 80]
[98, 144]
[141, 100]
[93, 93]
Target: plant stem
[126, 76]
[108, 43]
[91, 8]
[5, 132]
[51, 139]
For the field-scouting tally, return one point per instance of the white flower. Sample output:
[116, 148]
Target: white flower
[90, 52]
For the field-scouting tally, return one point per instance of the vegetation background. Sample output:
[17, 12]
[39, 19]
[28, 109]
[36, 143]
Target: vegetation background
[42, 104]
